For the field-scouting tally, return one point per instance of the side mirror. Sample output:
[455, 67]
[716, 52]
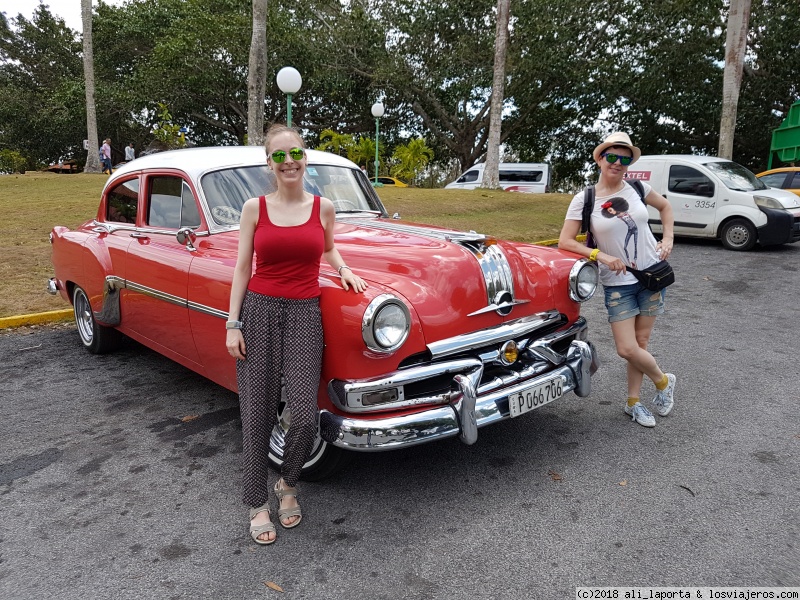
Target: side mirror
[186, 237]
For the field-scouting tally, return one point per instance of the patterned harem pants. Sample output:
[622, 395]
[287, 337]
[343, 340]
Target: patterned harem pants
[283, 338]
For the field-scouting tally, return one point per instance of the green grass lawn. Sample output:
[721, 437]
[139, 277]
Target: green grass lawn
[33, 203]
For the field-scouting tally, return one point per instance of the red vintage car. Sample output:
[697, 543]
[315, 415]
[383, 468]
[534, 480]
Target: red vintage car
[456, 330]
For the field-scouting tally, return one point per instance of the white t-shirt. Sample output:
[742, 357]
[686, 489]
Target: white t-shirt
[620, 230]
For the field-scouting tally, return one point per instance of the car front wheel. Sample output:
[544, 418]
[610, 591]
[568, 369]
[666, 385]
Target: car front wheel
[95, 337]
[323, 461]
[738, 234]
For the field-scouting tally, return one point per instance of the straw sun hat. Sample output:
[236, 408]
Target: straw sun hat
[618, 138]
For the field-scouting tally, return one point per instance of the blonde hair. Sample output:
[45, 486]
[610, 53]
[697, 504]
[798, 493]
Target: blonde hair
[277, 129]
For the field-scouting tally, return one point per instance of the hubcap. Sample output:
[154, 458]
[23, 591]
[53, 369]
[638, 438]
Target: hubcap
[738, 236]
[83, 318]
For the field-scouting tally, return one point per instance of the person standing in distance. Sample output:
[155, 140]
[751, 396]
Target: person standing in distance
[632, 309]
[273, 311]
[130, 153]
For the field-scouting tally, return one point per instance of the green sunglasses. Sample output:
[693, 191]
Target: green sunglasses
[280, 155]
[612, 158]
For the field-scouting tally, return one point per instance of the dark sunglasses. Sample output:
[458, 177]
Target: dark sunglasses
[612, 158]
[280, 155]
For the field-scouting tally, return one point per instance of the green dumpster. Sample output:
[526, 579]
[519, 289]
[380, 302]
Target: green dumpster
[786, 138]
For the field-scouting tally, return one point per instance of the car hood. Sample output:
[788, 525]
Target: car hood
[445, 274]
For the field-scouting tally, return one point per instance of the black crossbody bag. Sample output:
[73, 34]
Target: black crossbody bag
[655, 277]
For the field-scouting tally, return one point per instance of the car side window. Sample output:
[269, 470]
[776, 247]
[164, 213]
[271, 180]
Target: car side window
[468, 177]
[774, 180]
[521, 176]
[171, 204]
[687, 180]
[794, 183]
[122, 202]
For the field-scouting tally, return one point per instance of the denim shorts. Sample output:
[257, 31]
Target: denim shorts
[626, 301]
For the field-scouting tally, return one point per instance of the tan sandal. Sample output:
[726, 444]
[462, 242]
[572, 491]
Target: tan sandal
[285, 513]
[258, 530]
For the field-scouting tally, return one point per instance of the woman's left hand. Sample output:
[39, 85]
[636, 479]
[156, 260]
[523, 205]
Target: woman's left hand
[351, 280]
[664, 248]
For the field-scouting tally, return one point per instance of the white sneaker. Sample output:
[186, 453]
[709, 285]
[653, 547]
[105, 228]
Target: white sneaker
[641, 415]
[664, 398]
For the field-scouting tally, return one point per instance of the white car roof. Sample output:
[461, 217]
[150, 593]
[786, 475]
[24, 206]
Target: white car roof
[196, 161]
[692, 158]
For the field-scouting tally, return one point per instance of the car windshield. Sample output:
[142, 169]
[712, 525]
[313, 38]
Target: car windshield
[227, 190]
[735, 176]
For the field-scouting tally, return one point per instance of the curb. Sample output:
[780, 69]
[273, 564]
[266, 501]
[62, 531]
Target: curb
[55, 316]
[52, 316]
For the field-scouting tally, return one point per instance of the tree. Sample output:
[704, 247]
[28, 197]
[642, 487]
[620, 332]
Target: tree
[330, 141]
[735, 47]
[92, 159]
[257, 75]
[411, 158]
[363, 152]
[491, 177]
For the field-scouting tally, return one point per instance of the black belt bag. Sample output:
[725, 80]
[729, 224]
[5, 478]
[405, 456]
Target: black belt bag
[655, 277]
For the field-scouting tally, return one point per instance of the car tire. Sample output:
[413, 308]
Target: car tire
[96, 338]
[323, 461]
[738, 234]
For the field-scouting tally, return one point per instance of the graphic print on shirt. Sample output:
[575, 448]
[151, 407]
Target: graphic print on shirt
[618, 207]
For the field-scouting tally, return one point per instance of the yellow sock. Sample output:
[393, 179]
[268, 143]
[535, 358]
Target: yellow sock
[632, 401]
[662, 385]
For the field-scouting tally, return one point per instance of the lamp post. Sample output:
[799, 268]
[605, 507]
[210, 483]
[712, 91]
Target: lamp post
[377, 112]
[289, 82]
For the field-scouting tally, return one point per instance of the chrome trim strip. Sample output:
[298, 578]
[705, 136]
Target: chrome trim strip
[109, 314]
[443, 422]
[494, 335]
[497, 307]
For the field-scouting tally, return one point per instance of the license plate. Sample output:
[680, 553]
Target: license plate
[535, 396]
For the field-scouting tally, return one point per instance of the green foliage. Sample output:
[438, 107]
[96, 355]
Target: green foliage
[12, 161]
[411, 158]
[337, 143]
[167, 135]
[363, 153]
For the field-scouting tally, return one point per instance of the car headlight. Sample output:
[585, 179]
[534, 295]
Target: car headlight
[582, 280]
[767, 202]
[386, 323]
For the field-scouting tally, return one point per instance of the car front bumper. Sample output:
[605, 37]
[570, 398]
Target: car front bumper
[462, 417]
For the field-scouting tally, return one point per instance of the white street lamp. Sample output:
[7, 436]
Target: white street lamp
[377, 112]
[289, 82]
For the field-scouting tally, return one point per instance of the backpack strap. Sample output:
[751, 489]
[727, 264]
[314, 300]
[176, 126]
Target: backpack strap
[588, 207]
[637, 185]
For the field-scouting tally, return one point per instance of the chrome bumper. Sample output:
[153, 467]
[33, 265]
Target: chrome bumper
[52, 286]
[462, 417]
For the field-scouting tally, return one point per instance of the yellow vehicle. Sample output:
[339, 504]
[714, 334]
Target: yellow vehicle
[389, 181]
[785, 178]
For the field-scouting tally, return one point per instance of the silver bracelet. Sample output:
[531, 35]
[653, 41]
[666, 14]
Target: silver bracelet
[233, 324]
[339, 270]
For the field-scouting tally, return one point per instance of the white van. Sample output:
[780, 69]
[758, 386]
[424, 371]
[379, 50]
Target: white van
[533, 178]
[715, 198]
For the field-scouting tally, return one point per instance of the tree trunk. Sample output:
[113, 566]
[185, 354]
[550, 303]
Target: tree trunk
[491, 176]
[735, 47]
[257, 75]
[93, 156]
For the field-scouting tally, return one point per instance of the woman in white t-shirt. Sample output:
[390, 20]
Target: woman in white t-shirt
[619, 227]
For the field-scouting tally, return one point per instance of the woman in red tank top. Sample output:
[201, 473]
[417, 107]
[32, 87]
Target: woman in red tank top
[274, 308]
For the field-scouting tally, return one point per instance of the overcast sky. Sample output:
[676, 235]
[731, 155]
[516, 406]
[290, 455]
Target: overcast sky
[69, 10]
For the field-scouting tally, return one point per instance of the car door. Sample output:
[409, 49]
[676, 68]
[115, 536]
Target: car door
[158, 265]
[693, 197]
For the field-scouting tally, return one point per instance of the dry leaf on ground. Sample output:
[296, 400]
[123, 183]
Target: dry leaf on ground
[273, 586]
[190, 418]
[554, 476]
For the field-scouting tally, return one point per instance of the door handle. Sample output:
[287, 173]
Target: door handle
[141, 236]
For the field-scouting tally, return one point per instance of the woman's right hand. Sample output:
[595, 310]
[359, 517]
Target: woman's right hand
[612, 262]
[235, 343]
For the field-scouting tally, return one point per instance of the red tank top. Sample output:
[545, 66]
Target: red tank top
[287, 258]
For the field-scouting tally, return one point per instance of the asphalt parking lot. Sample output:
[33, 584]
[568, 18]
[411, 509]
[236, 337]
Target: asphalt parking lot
[119, 475]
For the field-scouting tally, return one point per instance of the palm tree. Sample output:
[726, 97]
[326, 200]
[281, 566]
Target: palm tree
[363, 152]
[491, 178]
[330, 141]
[93, 158]
[257, 75]
[412, 158]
